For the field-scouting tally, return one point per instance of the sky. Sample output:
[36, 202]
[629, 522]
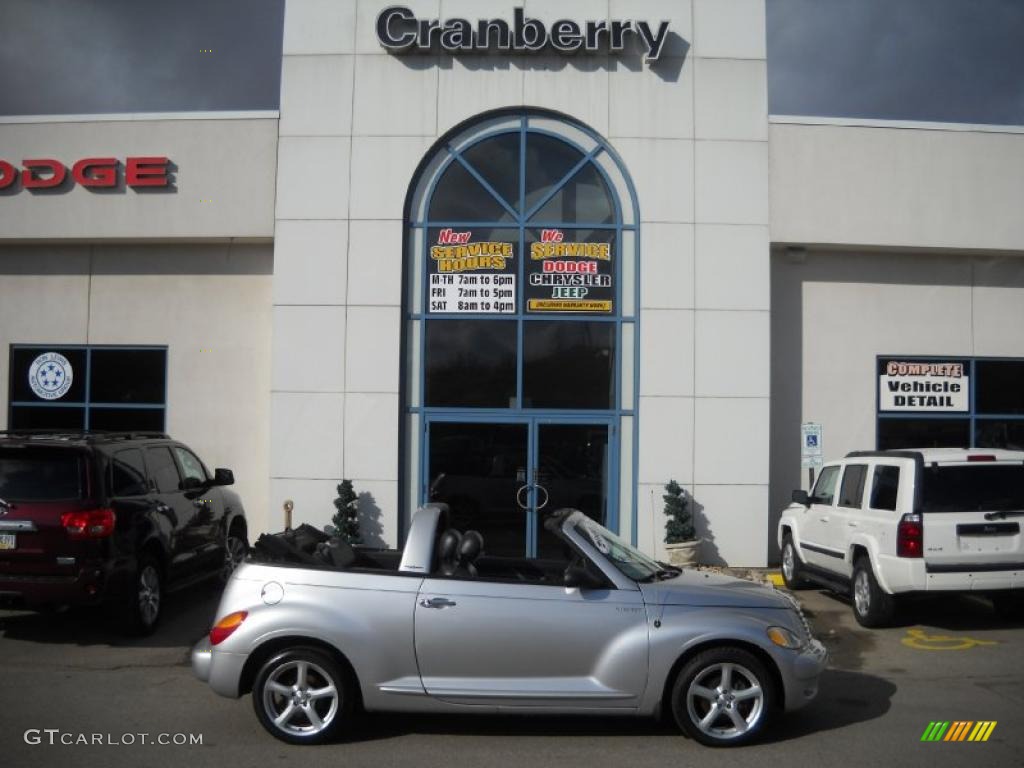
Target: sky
[934, 60]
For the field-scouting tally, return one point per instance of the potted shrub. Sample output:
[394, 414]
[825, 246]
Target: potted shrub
[346, 518]
[681, 540]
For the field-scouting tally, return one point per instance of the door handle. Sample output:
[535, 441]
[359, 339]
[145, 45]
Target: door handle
[852, 523]
[824, 519]
[437, 602]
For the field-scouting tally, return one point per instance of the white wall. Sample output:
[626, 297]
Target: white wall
[941, 187]
[833, 312]
[692, 132]
[210, 304]
[223, 180]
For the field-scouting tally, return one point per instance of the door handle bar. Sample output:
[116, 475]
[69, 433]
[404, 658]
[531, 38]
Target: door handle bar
[437, 602]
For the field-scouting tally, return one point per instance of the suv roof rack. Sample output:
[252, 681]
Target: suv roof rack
[88, 435]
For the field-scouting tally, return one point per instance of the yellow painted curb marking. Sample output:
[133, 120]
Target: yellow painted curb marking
[921, 641]
[776, 579]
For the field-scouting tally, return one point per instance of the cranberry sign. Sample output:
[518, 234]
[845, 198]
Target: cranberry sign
[92, 172]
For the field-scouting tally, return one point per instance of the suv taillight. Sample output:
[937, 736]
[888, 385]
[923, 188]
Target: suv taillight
[90, 524]
[910, 536]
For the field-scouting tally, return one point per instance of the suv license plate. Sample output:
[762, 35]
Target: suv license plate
[8, 541]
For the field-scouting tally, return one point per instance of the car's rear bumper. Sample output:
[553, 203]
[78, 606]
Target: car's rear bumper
[800, 676]
[86, 584]
[222, 670]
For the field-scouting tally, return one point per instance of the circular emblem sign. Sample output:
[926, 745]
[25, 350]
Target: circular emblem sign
[50, 376]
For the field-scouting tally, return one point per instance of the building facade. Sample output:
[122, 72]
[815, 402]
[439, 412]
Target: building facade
[517, 258]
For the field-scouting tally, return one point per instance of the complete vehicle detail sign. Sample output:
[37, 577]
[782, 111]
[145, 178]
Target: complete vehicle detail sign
[923, 385]
[399, 30]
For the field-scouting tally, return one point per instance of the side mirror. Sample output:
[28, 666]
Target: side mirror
[578, 576]
[801, 497]
[223, 476]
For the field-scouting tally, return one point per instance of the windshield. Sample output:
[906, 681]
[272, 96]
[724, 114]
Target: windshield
[629, 561]
[40, 475]
[973, 488]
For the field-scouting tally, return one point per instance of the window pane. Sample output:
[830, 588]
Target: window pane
[128, 474]
[923, 433]
[128, 376]
[162, 469]
[999, 433]
[548, 160]
[497, 161]
[570, 270]
[460, 197]
[470, 363]
[1000, 386]
[584, 198]
[978, 487]
[41, 375]
[190, 464]
[825, 488]
[39, 474]
[42, 417]
[852, 490]
[884, 487]
[568, 364]
[127, 419]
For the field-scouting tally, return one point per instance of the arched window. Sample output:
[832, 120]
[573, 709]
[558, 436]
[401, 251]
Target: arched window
[520, 345]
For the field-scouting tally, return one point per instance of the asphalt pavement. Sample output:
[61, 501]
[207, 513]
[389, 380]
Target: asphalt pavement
[69, 673]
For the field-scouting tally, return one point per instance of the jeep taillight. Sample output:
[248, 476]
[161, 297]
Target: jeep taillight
[222, 629]
[89, 524]
[910, 537]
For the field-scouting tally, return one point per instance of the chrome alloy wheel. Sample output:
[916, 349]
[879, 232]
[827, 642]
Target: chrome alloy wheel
[300, 698]
[149, 595]
[788, 563]
[862, 593]
[725, 700]
[235, 550]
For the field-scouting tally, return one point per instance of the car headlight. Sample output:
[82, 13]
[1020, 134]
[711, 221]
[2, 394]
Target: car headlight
[784, 638]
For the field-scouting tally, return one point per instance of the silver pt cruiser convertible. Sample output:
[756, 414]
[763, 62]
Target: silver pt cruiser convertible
[316, 630]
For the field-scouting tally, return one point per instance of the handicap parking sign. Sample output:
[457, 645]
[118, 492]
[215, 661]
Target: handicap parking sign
[811, 449]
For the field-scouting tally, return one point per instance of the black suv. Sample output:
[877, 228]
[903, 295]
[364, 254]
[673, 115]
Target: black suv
[112, 518]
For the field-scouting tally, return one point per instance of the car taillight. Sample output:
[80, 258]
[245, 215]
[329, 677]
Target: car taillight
[89, 524]
[222, 629]
[910, 537]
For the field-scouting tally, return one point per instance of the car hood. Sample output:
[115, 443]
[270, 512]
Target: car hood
[704, 588]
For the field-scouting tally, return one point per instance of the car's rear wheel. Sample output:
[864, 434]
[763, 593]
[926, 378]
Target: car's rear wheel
[872, 605]
[303, 696]
[723, 697]
[143, 606]
[792, 567]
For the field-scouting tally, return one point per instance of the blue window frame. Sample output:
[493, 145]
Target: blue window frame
[87, 387]
[990, 414]
[494, 189]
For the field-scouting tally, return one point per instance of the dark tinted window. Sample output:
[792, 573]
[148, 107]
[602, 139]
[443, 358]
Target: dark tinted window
[825, 488]
[584, 198]
[977, 487]
[548, 160]
[128, 474]
[923, 433]
[41, 417]
[471, 363]
[999, 386]
[127, 419]
[568, 364]
[128, 375]
[852, 490]
[884, 487]
[190, 464]
[999, 433]
[497, 161]
[41, 475]
[162, 469]
[460, 197]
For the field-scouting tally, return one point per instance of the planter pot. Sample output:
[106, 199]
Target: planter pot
[684, 553]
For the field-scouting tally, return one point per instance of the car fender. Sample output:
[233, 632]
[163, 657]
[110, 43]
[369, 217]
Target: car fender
[790, 520]
[870, 545]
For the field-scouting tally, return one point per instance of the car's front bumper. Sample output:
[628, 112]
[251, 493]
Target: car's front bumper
[800, 676]
[222, 670]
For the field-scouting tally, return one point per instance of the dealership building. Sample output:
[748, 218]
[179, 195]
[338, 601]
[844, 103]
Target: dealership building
[516, 257]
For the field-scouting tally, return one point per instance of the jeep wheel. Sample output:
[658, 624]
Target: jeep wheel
[723, 697]
[303, 696]
[792, 567]
[872, 605]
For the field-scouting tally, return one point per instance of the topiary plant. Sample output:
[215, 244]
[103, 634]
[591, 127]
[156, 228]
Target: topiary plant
[679, 526]
[346, 519]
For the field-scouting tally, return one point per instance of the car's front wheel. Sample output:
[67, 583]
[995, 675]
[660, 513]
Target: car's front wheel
[872, 605]
[303, 696]
[723, 697]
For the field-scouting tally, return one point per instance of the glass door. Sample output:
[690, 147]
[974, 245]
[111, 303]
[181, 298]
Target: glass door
[501, 477]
